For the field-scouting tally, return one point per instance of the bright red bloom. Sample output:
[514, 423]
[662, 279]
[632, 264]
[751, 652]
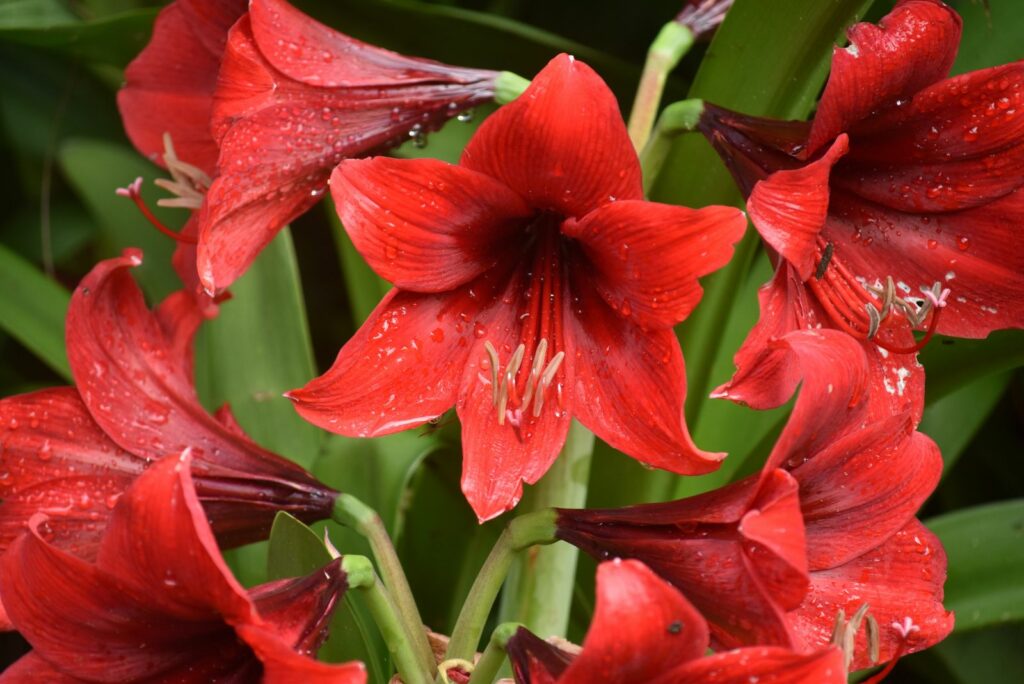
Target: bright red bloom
[69, 453]
[645, 632]
[827, 526]
[159, 602]
[269, 107]
[903, 173]
[533, 284]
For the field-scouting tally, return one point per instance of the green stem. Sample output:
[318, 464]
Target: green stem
[540, 587]
[521, 533]
[351, 512]
[673, 41]
[486, 669]
[360, 576]
[509, 86]
[678, 117]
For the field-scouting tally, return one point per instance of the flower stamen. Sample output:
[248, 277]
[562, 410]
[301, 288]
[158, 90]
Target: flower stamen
[134, 192]
[506, 399]
[188, 183]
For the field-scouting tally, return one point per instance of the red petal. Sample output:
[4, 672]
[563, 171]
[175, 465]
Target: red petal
[562, 145]
[133, 369]
[159, 540]
[169, 86]
[764, 665]
[31, 669]
[401, 369]
[497, 459]
[535, 661]
[425, 225]
[956, 145]
[307, 51]
[282, 665]
[131, 634]
[630, 385]
[789, 208]
[974, 252]
[900, 579]
[912, 47]
[299, 609]
[641, 627]
[280, 138]
[57, 461]
[647, 257]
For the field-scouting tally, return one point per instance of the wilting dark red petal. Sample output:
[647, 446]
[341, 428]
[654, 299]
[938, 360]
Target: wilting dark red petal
[737, 552]
[402, 368]
[761, 665]
[789, 208]
[630, 385]
[974, 253]
[298, 610]
[911, 47]
[169, 86]
[648, 256]
[535, 661]
[131, 634]
[56, 461]
[306, 50]
[498, 458]
[425, 225]
[282, 665]
[562, 145]
[901, 579]
[132, 367]
[957, 144]
[30, 669]
[641, 627]
[280, 137]
[159, 540]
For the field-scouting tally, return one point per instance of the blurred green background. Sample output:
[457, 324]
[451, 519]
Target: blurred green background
[63, 152]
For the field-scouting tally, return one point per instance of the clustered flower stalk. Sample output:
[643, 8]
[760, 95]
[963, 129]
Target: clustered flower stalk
[535, 291]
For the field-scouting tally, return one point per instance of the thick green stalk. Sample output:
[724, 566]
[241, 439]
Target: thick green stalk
[678, 117]
[540, 587]
[486, 669]
[673, 41]
[508, 86]
[361, 577]
[525, 531]
[351, 512]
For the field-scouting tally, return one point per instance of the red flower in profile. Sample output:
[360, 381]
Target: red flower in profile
[159, 603]
[70, 453]
[645, 632]
[532, 284]
[828, 525]
[271, 103]
[906, 184]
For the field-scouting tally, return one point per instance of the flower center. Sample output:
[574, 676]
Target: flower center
[862, 309]
[520, 388]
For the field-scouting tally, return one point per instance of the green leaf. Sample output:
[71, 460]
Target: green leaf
[95, 169]
[951, 364]
[982, 657]
[953, 420]
[257, 349]
[295, 550]
[989, 40]
[32, 310]
[113, 40]
[364, 288]
[33, 13]
[985, 547]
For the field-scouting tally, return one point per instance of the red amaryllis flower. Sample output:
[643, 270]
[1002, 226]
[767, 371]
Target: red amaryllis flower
[70, 454]
[276, 102]
[533, 283]
[160, 604]
[828, 525]
[906, 183]
[645, 632]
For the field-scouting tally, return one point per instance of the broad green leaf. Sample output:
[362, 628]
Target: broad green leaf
[296, 550]
[32, 310]
[377, 471]
[113, 40]
[983, 657]
[257, 349]
[953, 420]
[95, 169]
[989, 38]
[364, 288]
[951, 364]
[33, 13]
[985, 547]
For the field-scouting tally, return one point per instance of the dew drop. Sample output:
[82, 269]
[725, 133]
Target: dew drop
[932, 244]
[963, 242]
